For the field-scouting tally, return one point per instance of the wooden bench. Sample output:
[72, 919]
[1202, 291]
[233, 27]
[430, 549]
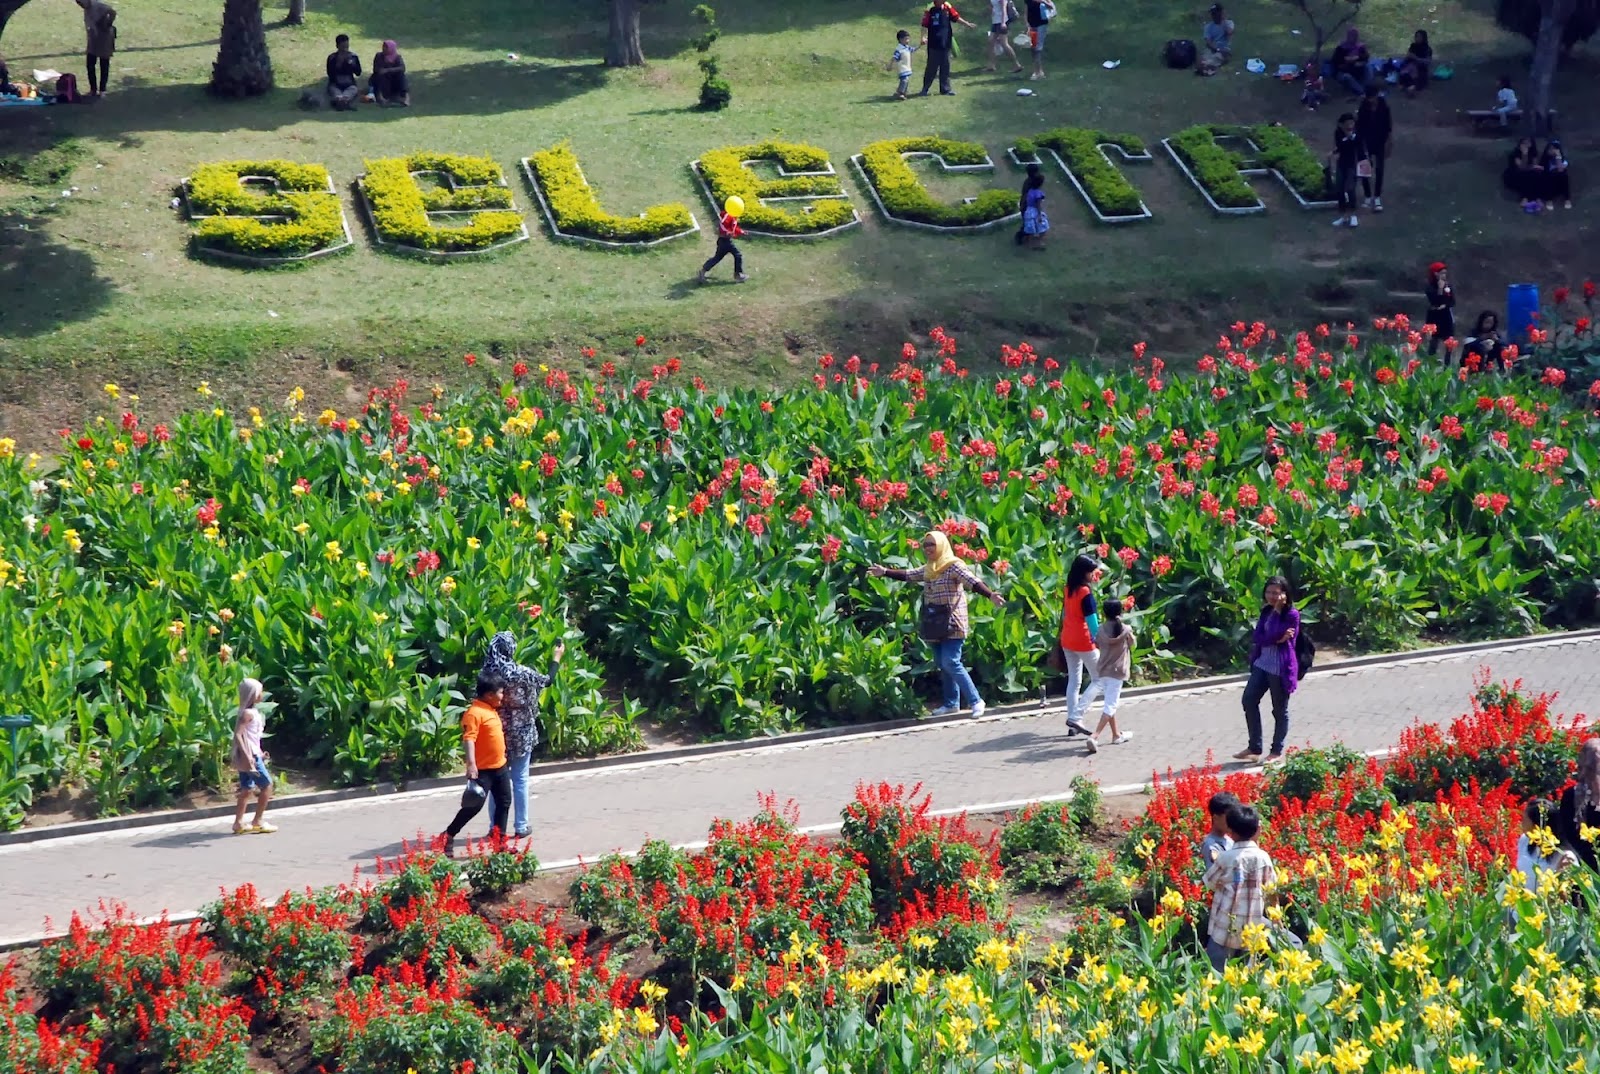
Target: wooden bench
[1488, 119]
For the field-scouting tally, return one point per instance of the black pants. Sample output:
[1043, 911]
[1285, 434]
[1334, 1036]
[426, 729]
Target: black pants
[938, 64]
[1344, 181]
[1444, 326]
[497, 781]
[104, 81]
[1261, 683]
[1374, 186]
[391, 85]
[725, 247]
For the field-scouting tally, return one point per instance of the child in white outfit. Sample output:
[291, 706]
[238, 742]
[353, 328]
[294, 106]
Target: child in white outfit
[1114, 644]
[900, 62]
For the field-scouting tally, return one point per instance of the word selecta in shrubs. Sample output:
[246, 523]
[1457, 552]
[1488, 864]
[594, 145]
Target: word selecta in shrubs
[447, 205]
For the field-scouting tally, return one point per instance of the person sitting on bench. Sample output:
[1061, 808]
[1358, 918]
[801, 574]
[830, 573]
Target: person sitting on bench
[388, 84]
[344, 71]
[1505, 101]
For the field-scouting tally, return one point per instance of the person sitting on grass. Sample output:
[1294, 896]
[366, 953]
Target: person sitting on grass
[1524, 175]
[1352, 63]
[388, 83]
[1218, 36]
[344, 73]
[250, 760]
[488, 775]
[1557, 182]
[1239, 881]
[1417, 66]
[1484, 346]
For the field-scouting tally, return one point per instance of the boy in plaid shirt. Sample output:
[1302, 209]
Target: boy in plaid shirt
[1238, 880]
[728, 229]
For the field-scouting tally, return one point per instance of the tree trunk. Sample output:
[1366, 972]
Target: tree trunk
[1553, 16]
[243, 67]
[297, 13]
[8, 8]
[622, 46]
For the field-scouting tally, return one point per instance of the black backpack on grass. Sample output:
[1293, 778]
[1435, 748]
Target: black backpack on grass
[1180, 54]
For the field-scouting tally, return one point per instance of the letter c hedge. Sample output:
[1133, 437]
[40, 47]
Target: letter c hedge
[904, 198]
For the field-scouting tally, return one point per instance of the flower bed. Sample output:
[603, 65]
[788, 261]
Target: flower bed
[400, 208]
[704, 548]
[300, 218]
[894, 948]
[1082, 155]
[574, 211]
[903, 199]
[805, 175]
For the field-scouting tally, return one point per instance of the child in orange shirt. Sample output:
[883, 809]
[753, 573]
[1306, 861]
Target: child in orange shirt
[488, 773]
[728, 229]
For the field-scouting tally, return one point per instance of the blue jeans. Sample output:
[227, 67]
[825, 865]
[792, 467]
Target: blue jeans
[519, 794]
[1351, 83]
[1260, 685]
[905, 84]
[1219, 955]
[958, 685]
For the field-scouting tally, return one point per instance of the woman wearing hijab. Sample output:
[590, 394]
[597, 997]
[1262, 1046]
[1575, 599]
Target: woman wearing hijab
[943, 619]
[1352, 63]
[1580, 807]
[1557, 184]
[519, 714]
[388, 84]
[1080, 623]
[1274, 669]
[250, 760]
[1441, 307]
[1418, 64]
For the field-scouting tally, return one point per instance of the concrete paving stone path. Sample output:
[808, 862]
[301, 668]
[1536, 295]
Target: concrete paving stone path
[1002, 759]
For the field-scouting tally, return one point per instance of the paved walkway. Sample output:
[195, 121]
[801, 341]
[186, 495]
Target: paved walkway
[1000, 760]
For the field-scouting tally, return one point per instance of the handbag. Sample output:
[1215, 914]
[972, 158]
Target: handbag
[937, 622]
[1055, 660]
[1364, 169]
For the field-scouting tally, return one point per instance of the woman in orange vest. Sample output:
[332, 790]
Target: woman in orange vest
[1080, 622]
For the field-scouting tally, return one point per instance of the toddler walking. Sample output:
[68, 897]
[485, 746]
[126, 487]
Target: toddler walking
[900, 62]
[250, 761]
[1114, 644]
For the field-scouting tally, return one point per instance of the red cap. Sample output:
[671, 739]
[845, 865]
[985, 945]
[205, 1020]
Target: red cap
[1436, 267]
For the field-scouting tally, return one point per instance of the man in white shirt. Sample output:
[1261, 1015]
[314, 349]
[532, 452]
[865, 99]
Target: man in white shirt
[1505, 102]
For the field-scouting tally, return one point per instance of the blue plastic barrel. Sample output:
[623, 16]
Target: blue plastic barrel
[1522, 311]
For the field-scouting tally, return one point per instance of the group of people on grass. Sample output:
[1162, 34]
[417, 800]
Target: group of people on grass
[1362, 142]
[938, 42]
[1482, 347]
[1539, 178]
[387, 84]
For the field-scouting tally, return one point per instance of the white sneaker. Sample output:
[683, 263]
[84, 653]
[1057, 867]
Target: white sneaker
[944, 710]
[1354, 222]
[978, 708]
[1340, 222]
[1123, 739]
[1377, 205]
[1091, 745]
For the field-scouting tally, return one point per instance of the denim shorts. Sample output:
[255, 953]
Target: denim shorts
[1038, 37]
[257, 780]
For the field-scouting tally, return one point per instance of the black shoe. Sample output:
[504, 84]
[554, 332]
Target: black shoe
[1076, 729]
[449, 845]
[924, 93]
[947, 93]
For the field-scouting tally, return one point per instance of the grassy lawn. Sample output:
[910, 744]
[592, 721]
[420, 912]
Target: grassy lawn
[101, 282]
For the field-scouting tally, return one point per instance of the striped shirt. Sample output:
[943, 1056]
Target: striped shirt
[1269, 661]
[1239, 880]
[950, 588]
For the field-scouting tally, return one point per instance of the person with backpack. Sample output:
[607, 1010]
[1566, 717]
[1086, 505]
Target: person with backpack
[939, 38]
[100, 29]
[1274, 668]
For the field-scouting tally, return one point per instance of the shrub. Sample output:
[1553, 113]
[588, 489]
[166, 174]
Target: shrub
[30, 1045]
[400, 207]
[1084, 805]
[1080, 150]
[1286, 153]
[499, 867]
[610, 893]
[415, 874]
[1216, 169]
[905, 198]
[578, 212]
[1042, 848]
[399, 1020]
[1303, 773]
[300, 944]
[726, 176]
[910, 855]
[234, 217]
[439, 930]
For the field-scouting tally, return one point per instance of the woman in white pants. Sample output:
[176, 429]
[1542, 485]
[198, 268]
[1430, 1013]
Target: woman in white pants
[1079, 624]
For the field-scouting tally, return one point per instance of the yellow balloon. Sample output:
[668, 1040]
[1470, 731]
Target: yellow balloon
[734, 206]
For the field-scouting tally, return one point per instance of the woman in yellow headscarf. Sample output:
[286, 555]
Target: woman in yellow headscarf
[943, 619]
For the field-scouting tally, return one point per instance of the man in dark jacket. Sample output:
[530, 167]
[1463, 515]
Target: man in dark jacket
[344, 73]
[938, 37]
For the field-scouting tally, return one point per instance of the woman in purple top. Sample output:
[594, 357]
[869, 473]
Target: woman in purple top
[1273, 669]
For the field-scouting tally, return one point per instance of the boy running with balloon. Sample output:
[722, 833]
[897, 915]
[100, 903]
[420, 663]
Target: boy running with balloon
[728, 229]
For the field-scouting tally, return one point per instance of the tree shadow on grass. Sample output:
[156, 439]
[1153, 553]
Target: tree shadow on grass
[44, 284]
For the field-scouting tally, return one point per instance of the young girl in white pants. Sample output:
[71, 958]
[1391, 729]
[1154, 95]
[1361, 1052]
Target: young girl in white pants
[1115, 664]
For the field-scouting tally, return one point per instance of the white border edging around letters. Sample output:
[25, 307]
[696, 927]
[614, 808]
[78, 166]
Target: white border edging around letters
[1229, 210]
[1260, 206]
[442, 255]
[233, 257]
[944, 229]
[1144, 212]
[855, 215]
[532, 179]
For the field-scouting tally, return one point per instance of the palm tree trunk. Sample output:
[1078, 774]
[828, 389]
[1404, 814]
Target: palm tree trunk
[622, 45]
[243, 67]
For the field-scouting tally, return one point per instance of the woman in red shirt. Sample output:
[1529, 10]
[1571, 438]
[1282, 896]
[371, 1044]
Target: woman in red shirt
[1079, 624]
